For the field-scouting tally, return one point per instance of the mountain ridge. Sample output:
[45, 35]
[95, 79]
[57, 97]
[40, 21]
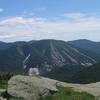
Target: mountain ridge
[49, 56]
[43, 53]
[87, 45]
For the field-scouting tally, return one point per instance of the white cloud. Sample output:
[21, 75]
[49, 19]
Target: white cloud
[27, 14]
[21, 20]
[82, 26]
[74, 15]
[1, 10]
[40, 9]
[6, 36]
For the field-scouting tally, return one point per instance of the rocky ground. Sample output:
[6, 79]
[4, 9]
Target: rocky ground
[31, 88]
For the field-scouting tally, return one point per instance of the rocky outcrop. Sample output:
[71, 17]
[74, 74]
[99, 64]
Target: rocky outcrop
[1, 98]
[30, 88]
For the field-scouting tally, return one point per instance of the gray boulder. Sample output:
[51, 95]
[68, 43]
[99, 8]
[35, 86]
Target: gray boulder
[30, 88]
[1, 98]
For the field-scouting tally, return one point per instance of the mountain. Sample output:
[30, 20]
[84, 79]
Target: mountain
[91, 47]
[46, 55]
[11, 58]
[4, 45]
[54, 52]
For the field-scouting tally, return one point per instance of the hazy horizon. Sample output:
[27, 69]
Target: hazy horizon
[47, 39]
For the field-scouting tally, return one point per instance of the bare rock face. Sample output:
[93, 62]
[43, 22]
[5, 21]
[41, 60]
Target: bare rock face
[30, 88]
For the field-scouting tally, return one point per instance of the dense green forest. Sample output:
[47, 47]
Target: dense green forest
[4, 77]
[88, 75]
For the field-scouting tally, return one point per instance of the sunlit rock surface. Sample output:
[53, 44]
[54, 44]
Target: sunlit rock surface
[30, 88]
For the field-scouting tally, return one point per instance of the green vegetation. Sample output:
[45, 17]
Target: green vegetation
[68, 94]
[4, 77]
[88, 75]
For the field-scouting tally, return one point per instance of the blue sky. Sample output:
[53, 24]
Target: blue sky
[53, 19]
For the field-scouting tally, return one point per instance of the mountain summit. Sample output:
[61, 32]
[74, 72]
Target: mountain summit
[44, 54]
